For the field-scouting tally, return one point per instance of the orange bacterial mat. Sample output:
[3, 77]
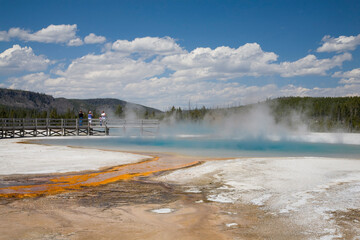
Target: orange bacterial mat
[64, 183]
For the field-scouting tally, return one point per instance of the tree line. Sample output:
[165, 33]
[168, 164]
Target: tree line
[17, 112]
[320, 113]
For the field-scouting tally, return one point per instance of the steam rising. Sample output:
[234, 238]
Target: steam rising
[256, 122]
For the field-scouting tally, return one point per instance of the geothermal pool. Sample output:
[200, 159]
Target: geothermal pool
[305, 179]
[291, 145]
[311, 180]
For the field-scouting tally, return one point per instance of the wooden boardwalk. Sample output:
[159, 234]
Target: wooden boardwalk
[36, 127]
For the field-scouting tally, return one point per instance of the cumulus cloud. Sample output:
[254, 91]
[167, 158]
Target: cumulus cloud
[36, 80]
[92, 76]
[39, 82]
[339, 44]
[161, 92]
[225, 63]
[174, 76]
[51, 34]
[18, 59]
[110, 67]
[310, 65]
[75, 42]
[164, 92]
[148, 45]
[4, 36]
[93, 39]
[158, 91]
[339, 91]
[222, 62]
[349, 77]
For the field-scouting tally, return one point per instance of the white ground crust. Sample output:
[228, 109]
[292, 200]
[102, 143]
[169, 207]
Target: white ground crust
[31, 158]
[305, 189]
[162, 210]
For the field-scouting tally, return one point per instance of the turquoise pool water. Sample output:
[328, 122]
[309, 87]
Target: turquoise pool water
[215, 147]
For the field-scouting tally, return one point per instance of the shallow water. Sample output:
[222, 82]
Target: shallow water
[326, 146]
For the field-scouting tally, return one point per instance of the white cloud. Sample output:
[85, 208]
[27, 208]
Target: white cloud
[18, 59]
[339, 91]
[92, 39]
[36, 80]
[340, 44]
[40, 82]
[75, 42]
[110, 67]
[174, 76]
[4, 36]
[222, 62]
[51, 34]
[225, 63]
[164, 92]
[148, 45]
[310, 65]
[93, 76]
[349, 77]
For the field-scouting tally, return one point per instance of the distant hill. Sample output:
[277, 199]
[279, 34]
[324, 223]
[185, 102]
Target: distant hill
[19, 103]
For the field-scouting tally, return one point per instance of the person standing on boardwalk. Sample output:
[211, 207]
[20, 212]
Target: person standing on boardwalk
[102, 118]
[81, 116]
[90, 116]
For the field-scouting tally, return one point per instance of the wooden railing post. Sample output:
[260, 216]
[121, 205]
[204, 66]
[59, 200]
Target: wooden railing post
[88, 129]
[48, 133]
[77, 127]
[36, 124]
[13, 127]
[23, 128]
[106, 129]
[62, 127]
[2, 128]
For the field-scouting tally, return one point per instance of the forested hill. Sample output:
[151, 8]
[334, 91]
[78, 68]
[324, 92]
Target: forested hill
[321, 113]
[26, 104]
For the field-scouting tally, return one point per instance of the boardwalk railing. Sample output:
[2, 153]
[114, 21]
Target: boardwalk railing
[21, 127]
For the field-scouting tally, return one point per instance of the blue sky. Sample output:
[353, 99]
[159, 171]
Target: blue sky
[164, 53]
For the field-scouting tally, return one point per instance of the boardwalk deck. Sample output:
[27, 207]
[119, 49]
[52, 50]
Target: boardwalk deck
[34, 127]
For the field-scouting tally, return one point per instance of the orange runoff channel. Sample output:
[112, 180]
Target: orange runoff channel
[76, 182]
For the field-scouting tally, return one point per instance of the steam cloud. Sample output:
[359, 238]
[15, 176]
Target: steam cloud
[255, 122]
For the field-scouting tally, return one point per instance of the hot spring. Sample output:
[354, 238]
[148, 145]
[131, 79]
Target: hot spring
[305, 179]
[310, 144]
